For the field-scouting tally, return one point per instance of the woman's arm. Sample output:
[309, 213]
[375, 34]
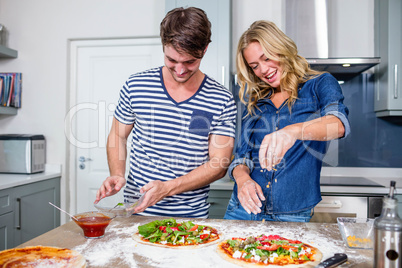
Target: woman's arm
[275, 145]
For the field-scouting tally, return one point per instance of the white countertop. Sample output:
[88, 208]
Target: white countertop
[13, 180]
[382, 176]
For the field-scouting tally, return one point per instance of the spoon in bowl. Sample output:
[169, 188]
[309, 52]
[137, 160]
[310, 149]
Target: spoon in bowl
[64, 211]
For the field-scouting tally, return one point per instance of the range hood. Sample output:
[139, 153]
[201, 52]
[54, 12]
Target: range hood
[311, 24]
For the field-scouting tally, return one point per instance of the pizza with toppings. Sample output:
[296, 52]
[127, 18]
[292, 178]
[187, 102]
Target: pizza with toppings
[169, 233]
[41, 256]
[271, 250]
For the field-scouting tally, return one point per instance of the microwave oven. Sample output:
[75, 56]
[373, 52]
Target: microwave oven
[22, 153]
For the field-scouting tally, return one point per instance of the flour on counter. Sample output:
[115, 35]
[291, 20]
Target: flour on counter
[118, 248]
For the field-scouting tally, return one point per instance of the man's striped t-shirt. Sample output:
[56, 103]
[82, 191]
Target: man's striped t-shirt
[170, 139]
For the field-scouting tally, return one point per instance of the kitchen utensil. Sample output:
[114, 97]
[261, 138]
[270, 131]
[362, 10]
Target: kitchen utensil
[334, 261]
[63, 210]
[357, 232]
[388, 234]
[93, 223]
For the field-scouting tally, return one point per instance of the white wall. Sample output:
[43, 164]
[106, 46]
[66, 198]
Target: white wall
[40, 31]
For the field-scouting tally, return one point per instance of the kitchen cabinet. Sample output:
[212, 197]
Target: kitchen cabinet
[8, 53]
[388, 45]
[217, 60]
[219, 200]
[25, 211]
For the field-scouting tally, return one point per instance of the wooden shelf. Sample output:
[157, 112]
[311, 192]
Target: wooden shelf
[8, 110]
[6, 52]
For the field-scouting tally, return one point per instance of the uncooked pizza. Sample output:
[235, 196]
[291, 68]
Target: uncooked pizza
[41, 256]
[169, 233]
[271, 251]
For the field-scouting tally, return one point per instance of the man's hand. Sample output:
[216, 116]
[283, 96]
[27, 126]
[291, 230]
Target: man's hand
[154, 191]
[110, 186]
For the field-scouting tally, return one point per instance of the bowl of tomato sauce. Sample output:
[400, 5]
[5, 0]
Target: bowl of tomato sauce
[93, 223]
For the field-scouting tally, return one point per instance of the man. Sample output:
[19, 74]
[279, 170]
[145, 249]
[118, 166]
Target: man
[183, 126]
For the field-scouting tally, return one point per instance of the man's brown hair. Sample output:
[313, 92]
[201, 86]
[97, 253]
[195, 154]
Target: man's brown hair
[188, 30]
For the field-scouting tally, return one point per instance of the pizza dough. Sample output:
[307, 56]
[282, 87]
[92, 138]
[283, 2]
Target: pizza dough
[41, 256]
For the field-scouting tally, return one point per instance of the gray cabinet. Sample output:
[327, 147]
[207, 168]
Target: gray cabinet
[217, 60]
[219, 200]
[25, 211]
[388, 36]
[8, 53]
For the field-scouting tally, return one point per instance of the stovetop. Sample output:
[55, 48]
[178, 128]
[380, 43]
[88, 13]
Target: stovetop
[348, 181]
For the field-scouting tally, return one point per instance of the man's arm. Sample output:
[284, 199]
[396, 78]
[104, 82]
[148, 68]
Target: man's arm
[116, 156]
[220, 151]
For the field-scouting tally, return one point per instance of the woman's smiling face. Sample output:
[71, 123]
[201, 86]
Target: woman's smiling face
[266, 69]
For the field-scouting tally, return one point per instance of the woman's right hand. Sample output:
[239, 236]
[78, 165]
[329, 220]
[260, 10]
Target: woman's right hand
[250, 195]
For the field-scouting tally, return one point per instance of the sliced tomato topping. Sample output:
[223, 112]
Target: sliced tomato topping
[269, 248]
[162, 228]
[204, 236]
[174, 228]
[295, 242]
[265, 243]
[275, 237]
[192, 229]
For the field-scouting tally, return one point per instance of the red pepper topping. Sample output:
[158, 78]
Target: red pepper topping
[269, 248]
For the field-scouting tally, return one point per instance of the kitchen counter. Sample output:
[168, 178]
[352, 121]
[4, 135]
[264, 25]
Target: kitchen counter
[118, 249]
[14, 180]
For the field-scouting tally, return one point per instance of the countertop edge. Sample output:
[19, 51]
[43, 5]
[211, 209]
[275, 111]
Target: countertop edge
[14, 180]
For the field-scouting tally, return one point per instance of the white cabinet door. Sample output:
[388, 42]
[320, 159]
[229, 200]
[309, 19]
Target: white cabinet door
[99, 69]
[217, 61]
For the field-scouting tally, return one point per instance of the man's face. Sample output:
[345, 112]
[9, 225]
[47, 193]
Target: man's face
[181, 66]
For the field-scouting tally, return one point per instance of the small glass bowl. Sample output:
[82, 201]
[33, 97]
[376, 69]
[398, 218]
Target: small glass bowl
[93, 223]
[124, 209]
[357, 232]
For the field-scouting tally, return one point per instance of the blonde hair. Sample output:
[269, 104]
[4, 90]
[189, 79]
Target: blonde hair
[276, 46]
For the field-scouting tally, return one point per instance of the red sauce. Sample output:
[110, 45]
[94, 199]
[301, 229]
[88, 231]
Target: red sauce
[93, 226]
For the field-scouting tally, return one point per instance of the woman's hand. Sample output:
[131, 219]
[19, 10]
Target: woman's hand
[274, 147]
[250, 195]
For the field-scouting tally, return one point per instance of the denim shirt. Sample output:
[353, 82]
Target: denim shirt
[295, 185]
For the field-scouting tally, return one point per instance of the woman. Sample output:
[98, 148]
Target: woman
[292, 112]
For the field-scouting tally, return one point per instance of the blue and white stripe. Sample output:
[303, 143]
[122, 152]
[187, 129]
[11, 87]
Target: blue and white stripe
[171, 139]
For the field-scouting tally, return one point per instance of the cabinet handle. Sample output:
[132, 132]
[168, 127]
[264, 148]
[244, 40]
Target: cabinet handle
[396, 81]
[330, 204]
[18, 227]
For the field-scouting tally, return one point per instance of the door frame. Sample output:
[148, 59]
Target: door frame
[71, 158]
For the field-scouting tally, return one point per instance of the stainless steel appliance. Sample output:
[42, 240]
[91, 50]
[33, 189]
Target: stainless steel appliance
[388, 234]
[360, 205]
[312, 24]
[22, 153]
